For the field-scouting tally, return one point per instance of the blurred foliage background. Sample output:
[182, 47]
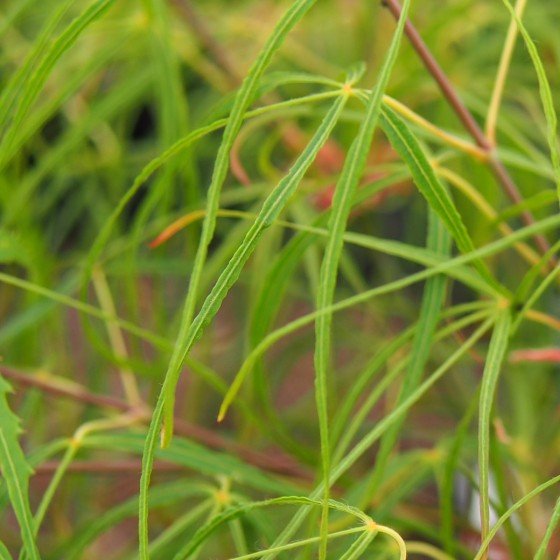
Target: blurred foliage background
[86, 103]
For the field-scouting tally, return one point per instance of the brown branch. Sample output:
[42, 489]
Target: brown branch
[198, 26]
[125, 466]
[66, 389]
[276, 462]
[466, 117]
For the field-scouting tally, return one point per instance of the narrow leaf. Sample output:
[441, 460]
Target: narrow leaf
[492, 367]
[433, 298]
[545, 91]
[243, 100]
[16, 471]
[345, 191]
[38, 78]
[550, 531]
[409, 148]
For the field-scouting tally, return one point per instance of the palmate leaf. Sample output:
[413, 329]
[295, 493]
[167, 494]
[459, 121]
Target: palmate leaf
[16, 470]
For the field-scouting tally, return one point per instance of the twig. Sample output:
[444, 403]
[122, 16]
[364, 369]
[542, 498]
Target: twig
[275, 462]
[466, 117]
[125, 466]
[187, 11]
[65, 389]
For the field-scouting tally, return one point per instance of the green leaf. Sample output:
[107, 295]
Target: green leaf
[406, 144]
[4, 552]
[344, 195]
[196, 457]
[234, 512]
[270, 209]
[547, 98]
[492, 367]
[243, 100]
[16, 471]
[433, 298]
[503, 518]
[39, 76]
[550, 531]
[162, 495]
[358, 547]
[15, 85]
[12, 250]
[378, 430]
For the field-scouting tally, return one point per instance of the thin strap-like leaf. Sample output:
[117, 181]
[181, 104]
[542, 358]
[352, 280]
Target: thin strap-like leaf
[14, 86]
[234, 512]
[492, 367]
[545, 93]
[520, 503]
[378, 430]
[345, 190]
[358, 547]
[242, 102]
[16, 471]
[405, 143]
[269, 211]
[433, 297]
[38, 78]
[550, 531]
[4, 553]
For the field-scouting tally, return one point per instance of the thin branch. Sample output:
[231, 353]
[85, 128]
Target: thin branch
[466, 117]
[125, 466]
[63, 388]
[276, 462]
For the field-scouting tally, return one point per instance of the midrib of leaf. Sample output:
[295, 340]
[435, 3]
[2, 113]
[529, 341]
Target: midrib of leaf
[345, 190]
[492, 367]
[16, 470]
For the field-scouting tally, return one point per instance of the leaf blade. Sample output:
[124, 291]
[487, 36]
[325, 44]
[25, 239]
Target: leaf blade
[16, 471]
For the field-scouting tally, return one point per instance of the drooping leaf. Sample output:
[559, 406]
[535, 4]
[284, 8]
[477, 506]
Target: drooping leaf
[406, 144]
